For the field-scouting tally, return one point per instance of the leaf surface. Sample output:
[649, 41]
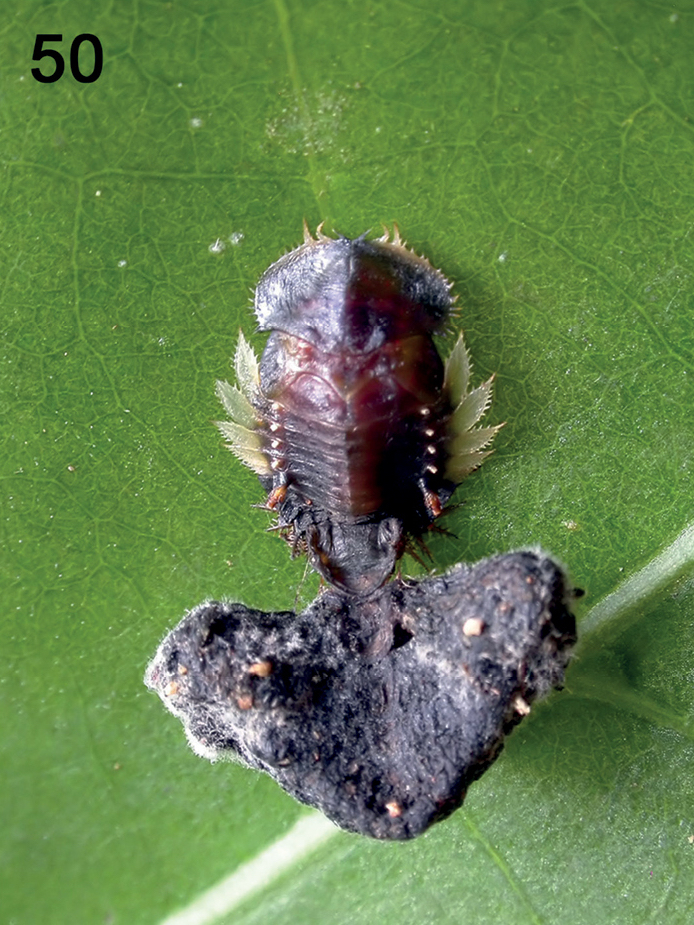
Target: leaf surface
[541, 155]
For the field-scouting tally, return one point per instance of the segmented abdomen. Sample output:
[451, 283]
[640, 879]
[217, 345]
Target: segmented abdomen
[352, 431]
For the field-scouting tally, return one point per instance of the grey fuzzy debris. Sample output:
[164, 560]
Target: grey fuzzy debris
[379, 712]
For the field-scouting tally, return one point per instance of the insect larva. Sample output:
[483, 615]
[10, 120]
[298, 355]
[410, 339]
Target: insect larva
[356, 428]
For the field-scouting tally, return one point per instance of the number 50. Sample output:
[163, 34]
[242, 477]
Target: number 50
[41, 52]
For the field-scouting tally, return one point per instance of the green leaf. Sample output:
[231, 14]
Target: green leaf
[541, 155]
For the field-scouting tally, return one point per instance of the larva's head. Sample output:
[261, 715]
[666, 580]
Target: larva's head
[356, 295]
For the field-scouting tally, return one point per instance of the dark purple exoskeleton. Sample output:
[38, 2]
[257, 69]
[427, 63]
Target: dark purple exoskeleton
[357, 430]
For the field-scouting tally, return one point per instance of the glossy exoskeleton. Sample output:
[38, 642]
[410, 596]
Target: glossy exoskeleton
[358, 431]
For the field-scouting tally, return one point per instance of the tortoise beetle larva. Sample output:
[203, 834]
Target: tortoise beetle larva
[357, 430]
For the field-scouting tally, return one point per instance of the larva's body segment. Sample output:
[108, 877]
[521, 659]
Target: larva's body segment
[352, 428]
[357, 431]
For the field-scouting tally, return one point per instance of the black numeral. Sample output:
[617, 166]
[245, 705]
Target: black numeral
[41, 52]
[74, 58]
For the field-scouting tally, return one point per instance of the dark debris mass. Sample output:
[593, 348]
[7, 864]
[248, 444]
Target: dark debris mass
[381, 712]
